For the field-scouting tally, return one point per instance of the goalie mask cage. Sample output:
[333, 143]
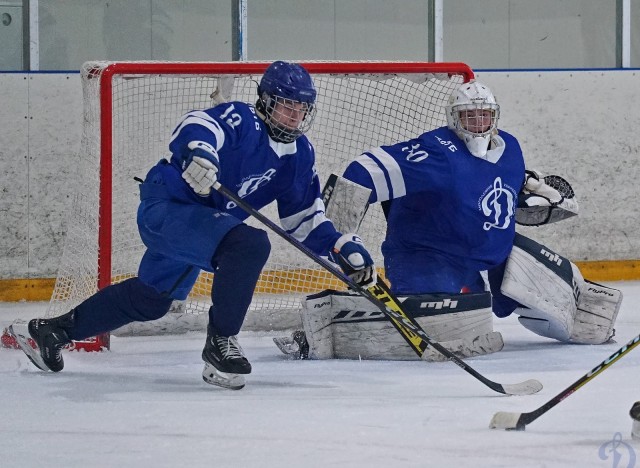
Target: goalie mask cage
[130, 111]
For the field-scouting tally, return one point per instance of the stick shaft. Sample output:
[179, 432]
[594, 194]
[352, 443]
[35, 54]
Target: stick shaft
[527, 418]
[378, 294]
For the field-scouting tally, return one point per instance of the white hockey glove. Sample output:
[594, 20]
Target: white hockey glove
[200, 168]
[534, 183]
[355, 261]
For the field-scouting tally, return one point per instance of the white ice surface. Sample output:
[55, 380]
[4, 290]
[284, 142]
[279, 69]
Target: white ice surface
[144, 404]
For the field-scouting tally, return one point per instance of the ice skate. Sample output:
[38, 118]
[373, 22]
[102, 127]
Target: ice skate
[49, 336]
[295, 346]
[225, 362]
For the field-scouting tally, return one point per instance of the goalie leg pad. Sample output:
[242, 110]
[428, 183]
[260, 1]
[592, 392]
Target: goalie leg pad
[598, 308]
[549, 287]
[316, 321]
[357, 329]
[546, 284]
[487, 343]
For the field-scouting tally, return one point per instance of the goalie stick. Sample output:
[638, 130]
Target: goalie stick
[518, 421]
[382, 298]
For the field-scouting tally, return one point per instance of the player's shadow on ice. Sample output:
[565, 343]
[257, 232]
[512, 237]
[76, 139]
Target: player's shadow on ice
[89, 386]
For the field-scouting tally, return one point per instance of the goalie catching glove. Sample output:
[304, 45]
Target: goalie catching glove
[355, 261]
[545, 200]
[200, 168]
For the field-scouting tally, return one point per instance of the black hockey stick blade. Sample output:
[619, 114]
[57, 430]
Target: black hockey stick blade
[381, 297]
[518, 421]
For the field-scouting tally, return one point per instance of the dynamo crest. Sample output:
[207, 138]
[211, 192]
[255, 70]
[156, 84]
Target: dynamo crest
[498, 205]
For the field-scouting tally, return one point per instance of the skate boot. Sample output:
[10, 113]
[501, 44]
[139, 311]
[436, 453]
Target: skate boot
[224, 361]
[296, 346]
[49, 336]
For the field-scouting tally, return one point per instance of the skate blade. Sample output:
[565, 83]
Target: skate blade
[21, 333]
[213, 376]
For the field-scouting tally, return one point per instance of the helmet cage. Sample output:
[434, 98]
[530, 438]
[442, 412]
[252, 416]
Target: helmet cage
[462, 127]
[473, 96]
[286, 90]
[278, 109]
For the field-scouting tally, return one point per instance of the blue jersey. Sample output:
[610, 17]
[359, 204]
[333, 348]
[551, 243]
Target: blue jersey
[442, 200]
[254, 166]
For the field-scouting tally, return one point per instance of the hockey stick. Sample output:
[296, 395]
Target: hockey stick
[381, 297]
[518, 421]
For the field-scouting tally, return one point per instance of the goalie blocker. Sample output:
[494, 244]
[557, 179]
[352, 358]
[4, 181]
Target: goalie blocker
[341, 325]
[557, 302]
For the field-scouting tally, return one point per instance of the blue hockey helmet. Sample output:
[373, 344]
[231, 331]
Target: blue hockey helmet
[288, 80]
[286, 100]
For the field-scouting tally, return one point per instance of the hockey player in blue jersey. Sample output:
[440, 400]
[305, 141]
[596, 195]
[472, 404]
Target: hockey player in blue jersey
[451, 197]
[262, 154]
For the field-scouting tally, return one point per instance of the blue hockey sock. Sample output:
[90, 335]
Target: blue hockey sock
[118, 305]
[238, 262]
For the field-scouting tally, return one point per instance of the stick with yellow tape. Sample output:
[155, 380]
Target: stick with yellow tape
[388, 304]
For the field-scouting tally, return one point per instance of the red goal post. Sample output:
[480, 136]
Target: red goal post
[130, 110]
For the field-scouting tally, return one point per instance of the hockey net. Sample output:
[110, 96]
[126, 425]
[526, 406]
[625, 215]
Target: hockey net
[130, 110]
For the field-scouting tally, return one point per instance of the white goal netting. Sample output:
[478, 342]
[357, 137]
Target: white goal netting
[130, 112]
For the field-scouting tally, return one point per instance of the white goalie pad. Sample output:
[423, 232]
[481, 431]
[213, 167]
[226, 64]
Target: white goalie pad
[317, 313]
[347, 326]
[598, 308]
[545, 200]
[558, 302]
[345, 203]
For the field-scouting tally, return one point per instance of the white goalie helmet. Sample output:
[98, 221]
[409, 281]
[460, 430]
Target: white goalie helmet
[472, 113]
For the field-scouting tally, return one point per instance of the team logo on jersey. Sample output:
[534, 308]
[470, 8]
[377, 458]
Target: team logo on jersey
[497, 204]
[251, 184]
